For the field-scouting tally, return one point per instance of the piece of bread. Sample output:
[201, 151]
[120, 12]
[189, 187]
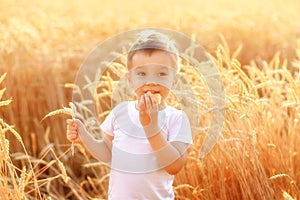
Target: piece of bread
[157, 96]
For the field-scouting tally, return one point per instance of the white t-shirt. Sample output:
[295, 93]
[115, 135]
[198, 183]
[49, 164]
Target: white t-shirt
[135, 173]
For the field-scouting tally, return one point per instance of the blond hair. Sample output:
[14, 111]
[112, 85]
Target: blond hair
[150, 41]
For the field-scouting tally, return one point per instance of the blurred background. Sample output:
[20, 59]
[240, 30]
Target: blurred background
[255, 44]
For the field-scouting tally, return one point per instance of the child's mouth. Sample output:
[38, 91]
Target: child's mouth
[152, 91]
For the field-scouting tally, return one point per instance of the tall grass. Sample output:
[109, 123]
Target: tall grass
[260, 144]
[257, 54]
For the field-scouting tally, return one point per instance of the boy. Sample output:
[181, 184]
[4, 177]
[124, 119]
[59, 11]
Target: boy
[145, 140]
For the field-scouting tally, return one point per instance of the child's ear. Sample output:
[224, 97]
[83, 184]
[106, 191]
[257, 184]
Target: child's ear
[127, 75]
[176, 80]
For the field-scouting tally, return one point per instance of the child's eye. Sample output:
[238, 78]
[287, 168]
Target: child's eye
[163, 74]
[141, 73]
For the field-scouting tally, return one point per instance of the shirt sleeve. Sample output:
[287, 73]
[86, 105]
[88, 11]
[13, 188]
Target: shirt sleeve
[180, 129]
[108, 124]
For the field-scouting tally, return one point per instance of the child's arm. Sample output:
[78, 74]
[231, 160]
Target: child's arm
[172, 156]
[100, 149]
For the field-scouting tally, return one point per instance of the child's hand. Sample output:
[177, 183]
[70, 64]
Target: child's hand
[148, 111]
[75, 128]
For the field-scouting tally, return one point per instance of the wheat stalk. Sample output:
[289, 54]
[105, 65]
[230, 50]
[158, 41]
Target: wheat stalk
[287, 196]
[5, 103]
[22, 182]
[66, 111]
[13, 131]
[2, 77]
[73, 107]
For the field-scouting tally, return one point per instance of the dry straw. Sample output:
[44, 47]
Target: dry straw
[257, 158]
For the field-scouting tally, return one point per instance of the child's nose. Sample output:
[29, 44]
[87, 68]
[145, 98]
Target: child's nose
[151, 82]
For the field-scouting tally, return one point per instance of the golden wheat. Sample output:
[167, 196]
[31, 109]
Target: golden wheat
[258, 59]
[67, 111]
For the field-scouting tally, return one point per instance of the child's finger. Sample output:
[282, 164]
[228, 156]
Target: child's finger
[153, 100]
[72, 131]
[69, 121]
[150, 102]
[72, 125]
[146, 100]
[141, 103]
[71, 128]
[71, 135]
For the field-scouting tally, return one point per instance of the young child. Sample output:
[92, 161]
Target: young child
[146, 140]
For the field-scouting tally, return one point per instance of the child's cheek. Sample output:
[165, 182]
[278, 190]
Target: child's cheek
[137, 83]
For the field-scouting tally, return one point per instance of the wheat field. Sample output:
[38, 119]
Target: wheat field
[254, 44]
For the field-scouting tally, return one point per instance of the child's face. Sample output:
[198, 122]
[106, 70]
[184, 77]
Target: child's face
[153, 72]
